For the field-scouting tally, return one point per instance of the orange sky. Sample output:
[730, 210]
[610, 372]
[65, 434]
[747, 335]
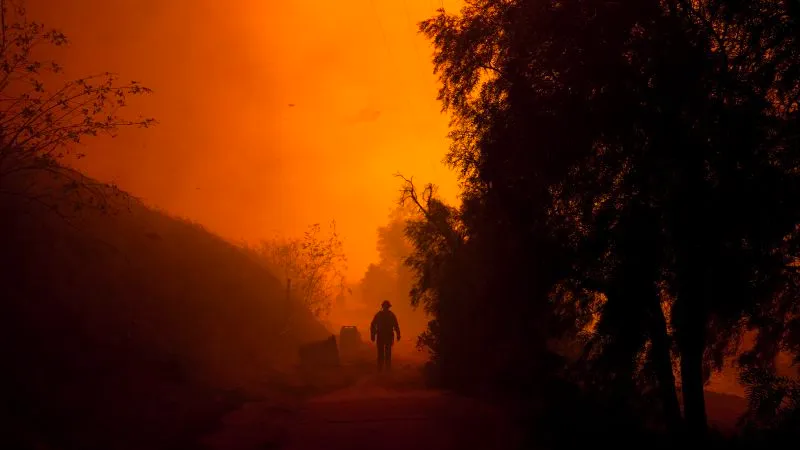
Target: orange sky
[230, 152]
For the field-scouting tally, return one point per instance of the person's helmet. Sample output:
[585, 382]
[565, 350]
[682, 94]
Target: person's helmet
[386, 304]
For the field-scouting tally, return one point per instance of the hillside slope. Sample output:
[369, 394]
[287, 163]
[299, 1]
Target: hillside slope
[128, 329]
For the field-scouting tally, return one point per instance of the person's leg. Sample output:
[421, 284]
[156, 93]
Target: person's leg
[381, 355]
[388, 353]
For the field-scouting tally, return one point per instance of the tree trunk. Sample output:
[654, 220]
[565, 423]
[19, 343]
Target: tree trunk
[693, 235]
[694, 405]
[662, 360]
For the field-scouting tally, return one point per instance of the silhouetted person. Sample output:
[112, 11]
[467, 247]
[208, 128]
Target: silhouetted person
[384, 326]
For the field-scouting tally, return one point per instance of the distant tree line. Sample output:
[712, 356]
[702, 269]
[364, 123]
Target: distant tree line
[389, 278]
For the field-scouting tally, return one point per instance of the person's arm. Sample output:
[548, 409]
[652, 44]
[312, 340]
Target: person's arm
[372, 326]
[396, 326]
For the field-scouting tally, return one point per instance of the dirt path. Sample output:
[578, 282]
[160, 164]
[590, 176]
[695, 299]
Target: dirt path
[376, 413]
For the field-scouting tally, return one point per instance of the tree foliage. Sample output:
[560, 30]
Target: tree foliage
[42, 117]
[774, 400]
[315, 263]
[630, 167]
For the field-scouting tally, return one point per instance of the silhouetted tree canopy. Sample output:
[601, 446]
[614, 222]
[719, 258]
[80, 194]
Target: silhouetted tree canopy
[631, 181]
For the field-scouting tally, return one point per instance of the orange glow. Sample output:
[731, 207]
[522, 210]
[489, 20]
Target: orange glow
[230, 152]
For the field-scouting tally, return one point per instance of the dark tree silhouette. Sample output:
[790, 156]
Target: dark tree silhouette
[40, 125]
[436, 240]
[635, 162]
[703, 187]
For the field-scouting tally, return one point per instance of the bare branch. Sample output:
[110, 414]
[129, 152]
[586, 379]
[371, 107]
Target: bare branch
[314, 262]
[423, 202]
[39, 126]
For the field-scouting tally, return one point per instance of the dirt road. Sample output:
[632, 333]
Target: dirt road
[375, 413]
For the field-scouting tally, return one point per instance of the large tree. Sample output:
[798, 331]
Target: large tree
[658, 138]
[703, 181]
